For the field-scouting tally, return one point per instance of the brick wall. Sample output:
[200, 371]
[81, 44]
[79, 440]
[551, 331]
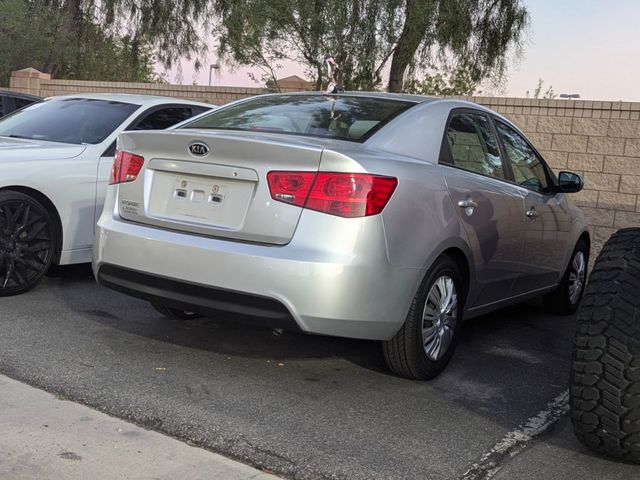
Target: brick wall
[599, 140]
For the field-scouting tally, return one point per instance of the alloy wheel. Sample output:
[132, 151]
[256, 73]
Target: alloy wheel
[26, 243]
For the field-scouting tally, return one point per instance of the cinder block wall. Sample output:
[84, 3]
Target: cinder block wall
[599, 140]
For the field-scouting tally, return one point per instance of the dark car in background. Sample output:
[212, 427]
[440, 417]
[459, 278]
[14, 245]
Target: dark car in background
[11, 101]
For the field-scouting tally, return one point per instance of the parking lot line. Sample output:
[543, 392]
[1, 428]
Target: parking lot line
[517, 440]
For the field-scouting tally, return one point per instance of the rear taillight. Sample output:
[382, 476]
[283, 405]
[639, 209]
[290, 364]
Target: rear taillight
[343, 194]
[126, 167]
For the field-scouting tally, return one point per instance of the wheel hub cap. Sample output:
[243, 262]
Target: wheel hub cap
[439, 317]
[577, 276]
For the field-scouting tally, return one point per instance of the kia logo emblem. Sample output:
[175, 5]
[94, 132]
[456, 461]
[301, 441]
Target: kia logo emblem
[199, 149]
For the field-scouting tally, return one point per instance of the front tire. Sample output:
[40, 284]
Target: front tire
[566, 298]
[605, 369]
[27, 243]
[424, 345]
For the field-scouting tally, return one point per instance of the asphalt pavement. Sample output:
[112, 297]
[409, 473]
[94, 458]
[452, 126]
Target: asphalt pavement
[308, 407]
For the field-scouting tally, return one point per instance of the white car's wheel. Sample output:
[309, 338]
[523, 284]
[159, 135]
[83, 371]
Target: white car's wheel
[27, 242]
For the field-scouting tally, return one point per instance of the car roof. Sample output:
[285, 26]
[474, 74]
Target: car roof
[142, 100]
[407, 97]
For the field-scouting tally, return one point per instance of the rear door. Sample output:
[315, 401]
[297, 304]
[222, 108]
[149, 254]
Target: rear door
[490, 208]
[547, 222]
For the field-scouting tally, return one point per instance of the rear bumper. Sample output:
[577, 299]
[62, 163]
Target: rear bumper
[342, 286]
[197, 298]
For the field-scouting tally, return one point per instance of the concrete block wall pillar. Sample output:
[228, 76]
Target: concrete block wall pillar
[27, 80]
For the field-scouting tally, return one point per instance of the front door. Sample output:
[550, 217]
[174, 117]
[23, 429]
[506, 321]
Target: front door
[547, 220]
[490, 208]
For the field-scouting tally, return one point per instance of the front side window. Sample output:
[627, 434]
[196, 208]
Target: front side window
[473, 144]
[332, 116]
[67, 120]
[528, 169]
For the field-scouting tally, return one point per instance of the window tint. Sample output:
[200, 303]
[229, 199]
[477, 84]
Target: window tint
[22, 102]
[528, 169]
[68, 120]
[473, 144]
[332, 116]
[164, 118]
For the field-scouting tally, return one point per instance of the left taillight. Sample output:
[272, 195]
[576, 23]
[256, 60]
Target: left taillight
[126, 167]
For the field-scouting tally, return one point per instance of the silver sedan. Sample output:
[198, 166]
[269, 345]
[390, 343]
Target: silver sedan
[372, 216]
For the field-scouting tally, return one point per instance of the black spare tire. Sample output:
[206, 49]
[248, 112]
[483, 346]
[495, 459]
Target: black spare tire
[605, 371]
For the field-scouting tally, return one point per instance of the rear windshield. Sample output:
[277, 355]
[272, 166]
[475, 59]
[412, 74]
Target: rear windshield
[332, 116]
[69, 120]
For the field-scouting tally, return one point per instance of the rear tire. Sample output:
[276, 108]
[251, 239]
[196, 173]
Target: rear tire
[27, 242]
[566, 298]
[605, 370]
[175, 313]
[435, 316]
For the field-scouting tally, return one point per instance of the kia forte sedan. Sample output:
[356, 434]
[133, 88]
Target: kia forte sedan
[372, 216]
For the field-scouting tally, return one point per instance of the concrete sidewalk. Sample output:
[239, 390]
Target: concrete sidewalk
[42, 437]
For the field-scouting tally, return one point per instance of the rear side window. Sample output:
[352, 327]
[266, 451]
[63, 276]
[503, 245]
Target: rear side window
[473, 145]
[332, 116]
[22, 102]
[528, 169]
[164, 118]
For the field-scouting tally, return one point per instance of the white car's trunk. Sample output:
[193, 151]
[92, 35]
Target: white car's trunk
[223, 194]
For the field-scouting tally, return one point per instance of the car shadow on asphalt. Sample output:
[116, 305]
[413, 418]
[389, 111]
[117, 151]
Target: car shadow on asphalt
[522, 340]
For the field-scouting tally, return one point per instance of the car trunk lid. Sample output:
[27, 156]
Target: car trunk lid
[213, 184]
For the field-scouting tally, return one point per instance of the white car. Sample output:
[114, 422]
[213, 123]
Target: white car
[55, 162]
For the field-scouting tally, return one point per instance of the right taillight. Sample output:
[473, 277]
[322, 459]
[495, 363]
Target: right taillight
[126, 167]
[343, 194]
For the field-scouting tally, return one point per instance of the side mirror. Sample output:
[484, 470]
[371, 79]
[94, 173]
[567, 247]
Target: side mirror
[569, 182]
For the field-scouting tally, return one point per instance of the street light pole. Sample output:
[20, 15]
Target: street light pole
[213, 66]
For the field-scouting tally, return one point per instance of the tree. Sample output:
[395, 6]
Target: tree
[365, 36]
[470, 35]
[548, 94]
[37, 34]
[356, 33]
[443, 82]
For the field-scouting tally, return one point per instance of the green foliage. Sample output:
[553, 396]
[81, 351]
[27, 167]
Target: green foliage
[369, 37]
[444, 82]
[47, 36]
[358, 34]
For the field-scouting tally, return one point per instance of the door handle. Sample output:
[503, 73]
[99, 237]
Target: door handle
[469, 203]
[469, 206]
[532, 213]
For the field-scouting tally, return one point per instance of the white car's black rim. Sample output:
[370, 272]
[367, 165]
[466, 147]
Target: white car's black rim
[577, 275]
[439, 317]
[26, 243]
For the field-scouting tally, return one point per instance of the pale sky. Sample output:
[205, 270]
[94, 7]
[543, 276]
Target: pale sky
[590, 47]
